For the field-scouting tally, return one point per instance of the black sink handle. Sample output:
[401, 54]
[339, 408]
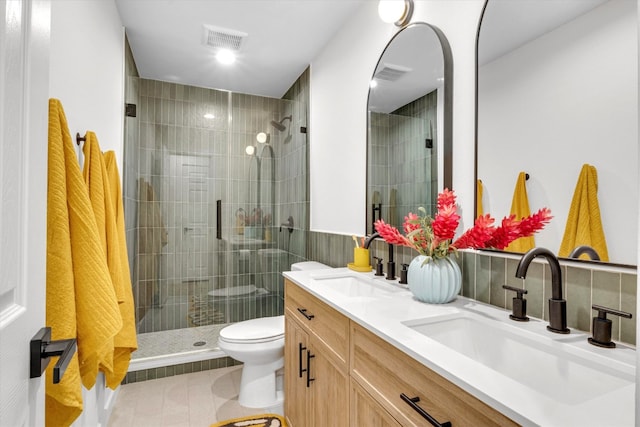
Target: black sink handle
[519, 312]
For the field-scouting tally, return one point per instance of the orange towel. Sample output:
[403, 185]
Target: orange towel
[584, 225]
[126, 341]
[520, 208]
[79, 289]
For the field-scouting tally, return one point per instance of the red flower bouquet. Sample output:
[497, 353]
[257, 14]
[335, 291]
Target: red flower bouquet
[433, 237]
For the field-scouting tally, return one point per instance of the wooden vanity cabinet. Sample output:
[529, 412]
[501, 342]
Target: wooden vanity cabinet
[365, 411]
[356, 378]
[316, 362]
[385, 373]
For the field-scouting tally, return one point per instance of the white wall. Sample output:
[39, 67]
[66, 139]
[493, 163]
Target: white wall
[339, 90]
[87, 68]
[87, 75]
[562, 100]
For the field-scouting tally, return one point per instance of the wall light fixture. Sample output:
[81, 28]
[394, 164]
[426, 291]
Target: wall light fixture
[397, 11]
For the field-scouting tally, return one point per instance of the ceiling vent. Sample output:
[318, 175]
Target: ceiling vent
[225, 38]
[391, 72]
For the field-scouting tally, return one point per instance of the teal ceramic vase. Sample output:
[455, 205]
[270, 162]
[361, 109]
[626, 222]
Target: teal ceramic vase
[437, 281]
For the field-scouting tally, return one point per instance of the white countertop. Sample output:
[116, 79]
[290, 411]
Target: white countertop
[383, 315]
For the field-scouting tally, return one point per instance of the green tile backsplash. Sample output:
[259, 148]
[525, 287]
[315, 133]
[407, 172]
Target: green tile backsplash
[484, 273]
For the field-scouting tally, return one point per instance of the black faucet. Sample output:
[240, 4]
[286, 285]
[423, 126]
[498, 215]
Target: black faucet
[585, 249]
[391, 265]
[557, 305]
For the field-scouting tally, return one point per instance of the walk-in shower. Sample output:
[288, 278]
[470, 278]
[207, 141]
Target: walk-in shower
[206, 248]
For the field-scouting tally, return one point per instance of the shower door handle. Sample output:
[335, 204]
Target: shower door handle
[219, 219]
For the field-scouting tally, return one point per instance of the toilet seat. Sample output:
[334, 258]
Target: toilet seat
[260, 330]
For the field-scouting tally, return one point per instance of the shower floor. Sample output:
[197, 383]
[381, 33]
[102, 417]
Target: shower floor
[175, 346]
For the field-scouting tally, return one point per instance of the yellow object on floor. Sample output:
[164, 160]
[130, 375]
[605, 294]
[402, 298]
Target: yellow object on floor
[520, 208]
[584, 225]
[78, 286]
[262, 420]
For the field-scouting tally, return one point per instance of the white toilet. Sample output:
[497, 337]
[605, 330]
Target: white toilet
[259, 345]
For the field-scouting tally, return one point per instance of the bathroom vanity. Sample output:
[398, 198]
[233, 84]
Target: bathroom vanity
[359, 350]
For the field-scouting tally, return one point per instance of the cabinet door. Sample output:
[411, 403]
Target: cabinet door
[367, 412]
[329, 388]
[296, 401]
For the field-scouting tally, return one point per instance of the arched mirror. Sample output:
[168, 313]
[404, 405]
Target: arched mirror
[409, 125]
[557, 89]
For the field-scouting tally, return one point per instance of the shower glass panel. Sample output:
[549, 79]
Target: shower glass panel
[207, 248]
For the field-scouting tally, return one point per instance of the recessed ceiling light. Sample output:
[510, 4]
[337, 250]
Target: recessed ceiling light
[373, 84]
[250, 149]
[261, 137]
[225, 56]
[209, 116]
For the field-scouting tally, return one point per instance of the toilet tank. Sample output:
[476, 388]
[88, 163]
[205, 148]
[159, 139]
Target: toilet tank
[308, 265]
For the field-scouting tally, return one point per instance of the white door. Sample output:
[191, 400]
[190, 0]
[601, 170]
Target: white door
[24, 89]
[191, 216]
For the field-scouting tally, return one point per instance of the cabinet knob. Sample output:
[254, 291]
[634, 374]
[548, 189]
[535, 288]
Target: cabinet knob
[413, 402]
[309, 357]
[303, 311]
[301, 348]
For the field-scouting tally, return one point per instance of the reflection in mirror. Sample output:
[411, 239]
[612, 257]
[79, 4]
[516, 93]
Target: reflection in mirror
[557, 89]
[261, 191]
[409, 125]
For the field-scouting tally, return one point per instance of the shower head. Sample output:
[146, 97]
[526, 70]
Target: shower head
[279, 125]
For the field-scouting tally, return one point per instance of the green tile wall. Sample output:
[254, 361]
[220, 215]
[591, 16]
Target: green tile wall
[183, 368]
[484, 273]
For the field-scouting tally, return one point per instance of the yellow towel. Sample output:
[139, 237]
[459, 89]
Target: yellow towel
[584, 226]
[520, 208]
[95, 176]
[479, 191]
[79, 289]
[126, 341]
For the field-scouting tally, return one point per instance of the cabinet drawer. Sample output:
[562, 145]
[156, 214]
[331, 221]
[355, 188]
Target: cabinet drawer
[386, 372]
[326, 324]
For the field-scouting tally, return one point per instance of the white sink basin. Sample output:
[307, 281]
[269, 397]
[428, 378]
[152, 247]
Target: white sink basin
[557, 368]
[354, 285]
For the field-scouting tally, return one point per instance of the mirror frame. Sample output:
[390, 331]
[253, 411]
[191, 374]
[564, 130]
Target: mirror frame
[475, 161]
[447, 114]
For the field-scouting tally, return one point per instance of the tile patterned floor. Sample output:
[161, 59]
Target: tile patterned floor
[190, 400]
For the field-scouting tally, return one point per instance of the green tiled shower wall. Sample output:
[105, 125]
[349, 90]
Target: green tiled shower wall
[484, 273]
[399, 162]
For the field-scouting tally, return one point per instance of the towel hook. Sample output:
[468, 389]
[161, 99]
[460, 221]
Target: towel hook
[526, 176]
[79, 138]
